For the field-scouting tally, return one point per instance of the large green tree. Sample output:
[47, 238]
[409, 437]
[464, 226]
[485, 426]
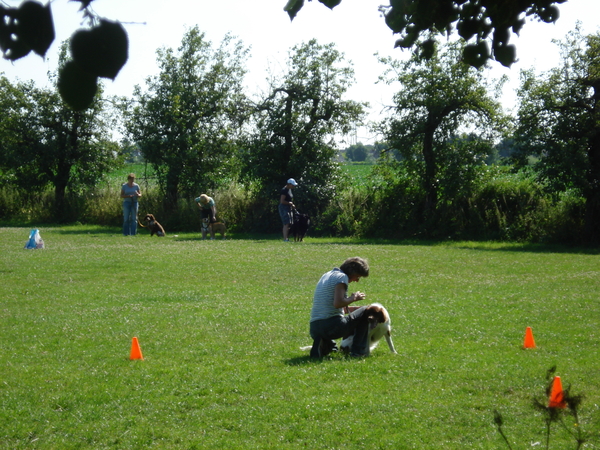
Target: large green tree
[17, 126]
[187, 122]
[45, 143]
[295, 125]
[559, 123]
[357, 152]
[437, 98]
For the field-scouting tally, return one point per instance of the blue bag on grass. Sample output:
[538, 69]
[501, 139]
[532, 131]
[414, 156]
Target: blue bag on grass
[35, 240]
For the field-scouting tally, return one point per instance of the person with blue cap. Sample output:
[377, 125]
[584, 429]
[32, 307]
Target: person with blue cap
[286, 207]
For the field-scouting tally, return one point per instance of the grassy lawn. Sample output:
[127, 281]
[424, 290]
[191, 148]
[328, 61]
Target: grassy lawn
[220, 324]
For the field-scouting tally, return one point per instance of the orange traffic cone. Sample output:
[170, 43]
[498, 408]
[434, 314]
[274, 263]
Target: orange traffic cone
[529, 342]
[136, 351]
[557, 398]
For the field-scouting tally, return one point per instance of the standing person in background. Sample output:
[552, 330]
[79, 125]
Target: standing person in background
[130, 193]
[286, 206]
[208, 213]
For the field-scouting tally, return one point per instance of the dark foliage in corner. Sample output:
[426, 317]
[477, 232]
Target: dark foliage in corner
[98, 51]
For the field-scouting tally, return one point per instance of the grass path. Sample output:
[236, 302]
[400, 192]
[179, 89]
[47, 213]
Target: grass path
[220, 324]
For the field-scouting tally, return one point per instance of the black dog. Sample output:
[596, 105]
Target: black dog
[300, 226]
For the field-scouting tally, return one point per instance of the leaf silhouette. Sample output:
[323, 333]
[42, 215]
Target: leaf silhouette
[29, 27]
[101, 51]
[76, 87]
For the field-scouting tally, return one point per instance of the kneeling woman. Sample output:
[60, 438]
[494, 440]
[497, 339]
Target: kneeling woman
[330, 302]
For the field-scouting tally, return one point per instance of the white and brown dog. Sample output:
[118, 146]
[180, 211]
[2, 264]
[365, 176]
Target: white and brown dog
[379, 327]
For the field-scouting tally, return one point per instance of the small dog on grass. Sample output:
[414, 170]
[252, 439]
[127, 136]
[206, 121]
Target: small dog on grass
[212, 228]
[154, 226]
[379, 327]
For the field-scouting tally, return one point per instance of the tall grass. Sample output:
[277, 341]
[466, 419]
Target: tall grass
[221, 323]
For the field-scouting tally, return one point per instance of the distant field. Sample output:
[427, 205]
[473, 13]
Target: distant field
[221, 323]
[359, 172]
[120, 175]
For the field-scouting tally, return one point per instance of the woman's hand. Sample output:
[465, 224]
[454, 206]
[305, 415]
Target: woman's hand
[357, 296]
[339, 296]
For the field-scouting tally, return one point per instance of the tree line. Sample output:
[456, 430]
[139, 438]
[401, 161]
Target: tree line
[438, 172]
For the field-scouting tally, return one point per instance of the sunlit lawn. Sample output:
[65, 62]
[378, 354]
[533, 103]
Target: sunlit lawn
[221, 324]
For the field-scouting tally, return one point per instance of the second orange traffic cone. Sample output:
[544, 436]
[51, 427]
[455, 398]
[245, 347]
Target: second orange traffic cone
[529, 342]
[557, 398]
[136, 351]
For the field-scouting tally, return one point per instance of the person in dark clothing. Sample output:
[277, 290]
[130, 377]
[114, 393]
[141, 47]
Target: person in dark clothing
[286, 206]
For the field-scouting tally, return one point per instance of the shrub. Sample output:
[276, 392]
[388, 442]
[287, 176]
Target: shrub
[507, 208]
[565, 220]
[103, 207]
[238, 207]
[27, 207]
[10, 203]
[386, 201]
[346, 214]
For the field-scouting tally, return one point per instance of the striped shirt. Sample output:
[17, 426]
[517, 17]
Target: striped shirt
[322, 307]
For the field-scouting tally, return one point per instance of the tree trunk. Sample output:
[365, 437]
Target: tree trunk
[63, 171]
[171, 191]
[430, 172]
[289, 103]
[61, 181]
[592, 198]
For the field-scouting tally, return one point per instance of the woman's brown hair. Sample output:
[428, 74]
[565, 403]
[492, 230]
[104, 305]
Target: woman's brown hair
[355, 266]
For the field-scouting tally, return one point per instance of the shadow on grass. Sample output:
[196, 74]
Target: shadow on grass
[86, 229]
[531, 248]
[306, 359]
[301, 360]
[462, 245]
[65, 229]
[253, 239]
[261, 238]
[185, 238]
[195, 237]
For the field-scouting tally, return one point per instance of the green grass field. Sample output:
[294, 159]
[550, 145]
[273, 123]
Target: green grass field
[358, 172]
[221, 324]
